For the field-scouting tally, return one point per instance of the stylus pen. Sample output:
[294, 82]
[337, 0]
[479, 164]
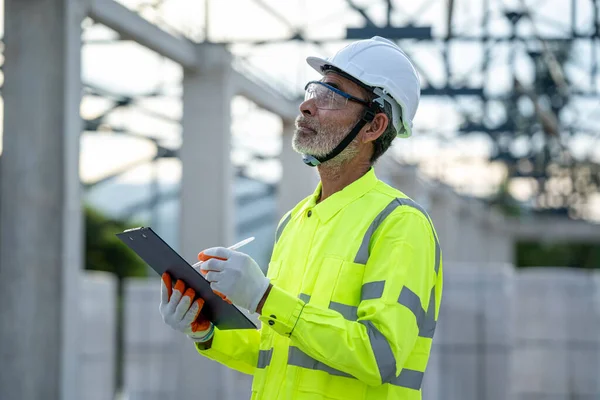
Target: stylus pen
[232, 247]
[242, 243]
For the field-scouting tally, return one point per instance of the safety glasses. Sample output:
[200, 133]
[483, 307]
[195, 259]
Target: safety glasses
[327, 97]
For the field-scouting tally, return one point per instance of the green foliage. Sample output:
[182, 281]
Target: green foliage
[539, 254]
[104, 251]
[505, 202]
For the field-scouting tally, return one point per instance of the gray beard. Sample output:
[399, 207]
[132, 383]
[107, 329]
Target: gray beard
[324, 141]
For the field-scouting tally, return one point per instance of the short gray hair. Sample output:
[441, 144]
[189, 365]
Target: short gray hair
[383, 142]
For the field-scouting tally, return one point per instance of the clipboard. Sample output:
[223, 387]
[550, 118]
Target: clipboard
[161, 257]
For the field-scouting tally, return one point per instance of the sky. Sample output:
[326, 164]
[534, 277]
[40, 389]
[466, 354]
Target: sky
[125, 67]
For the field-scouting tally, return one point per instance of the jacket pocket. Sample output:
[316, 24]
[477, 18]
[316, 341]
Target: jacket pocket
[273, 270]
[347, 289]
[330, 386]
[338, 286]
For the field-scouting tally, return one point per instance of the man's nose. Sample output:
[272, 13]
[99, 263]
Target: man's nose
[308, 107]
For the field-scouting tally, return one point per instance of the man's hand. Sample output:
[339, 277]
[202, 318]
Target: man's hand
[236, 276]
[179, 310]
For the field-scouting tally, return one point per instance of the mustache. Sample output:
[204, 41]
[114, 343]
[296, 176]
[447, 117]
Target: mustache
[304, 122]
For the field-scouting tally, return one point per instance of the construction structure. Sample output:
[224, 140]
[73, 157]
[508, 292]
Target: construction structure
[41, 193]
[504, 73]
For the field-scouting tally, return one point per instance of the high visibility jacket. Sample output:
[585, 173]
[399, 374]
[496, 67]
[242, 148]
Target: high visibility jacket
[357, 285]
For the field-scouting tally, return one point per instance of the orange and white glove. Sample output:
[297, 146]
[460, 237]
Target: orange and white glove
[181, 312]
[234, 276]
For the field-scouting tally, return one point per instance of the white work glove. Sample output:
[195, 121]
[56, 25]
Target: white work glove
[181, 312]
[238, 277]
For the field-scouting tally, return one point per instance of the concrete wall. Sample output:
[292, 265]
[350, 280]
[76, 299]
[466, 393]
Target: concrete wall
[161, 363]
[97, 329]
[502, 334]
[557, 345]
[522, 335]
[472, 345]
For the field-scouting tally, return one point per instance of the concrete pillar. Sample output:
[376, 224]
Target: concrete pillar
[444, 211]
[207, 174]
[207, 204]
[500, 243]
[406, 179]
[470, 234]
[297, 180]
[41, 230]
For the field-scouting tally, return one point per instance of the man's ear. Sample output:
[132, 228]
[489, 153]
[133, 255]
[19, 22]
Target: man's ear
[375, 128]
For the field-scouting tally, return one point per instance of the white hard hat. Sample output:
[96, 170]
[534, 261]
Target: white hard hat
[380, 64]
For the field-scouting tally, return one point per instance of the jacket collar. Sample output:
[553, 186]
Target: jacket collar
[326, 209]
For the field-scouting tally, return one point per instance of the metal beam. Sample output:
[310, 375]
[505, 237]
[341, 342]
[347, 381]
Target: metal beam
[131, 26]
[409, 32]
[362, 12]
[265, 97]
[553, 228]
[452, 91]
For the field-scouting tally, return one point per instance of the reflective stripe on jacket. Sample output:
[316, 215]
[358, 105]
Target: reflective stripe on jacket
[357, 285]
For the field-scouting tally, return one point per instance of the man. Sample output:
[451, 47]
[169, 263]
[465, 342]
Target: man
[351, 298]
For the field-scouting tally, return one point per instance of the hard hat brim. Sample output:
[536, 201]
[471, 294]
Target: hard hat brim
[318, 63]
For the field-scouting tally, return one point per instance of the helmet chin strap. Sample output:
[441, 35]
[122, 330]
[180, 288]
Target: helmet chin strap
[313, 161]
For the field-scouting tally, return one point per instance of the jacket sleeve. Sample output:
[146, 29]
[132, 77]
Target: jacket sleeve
[236, 349]
[397, 287]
